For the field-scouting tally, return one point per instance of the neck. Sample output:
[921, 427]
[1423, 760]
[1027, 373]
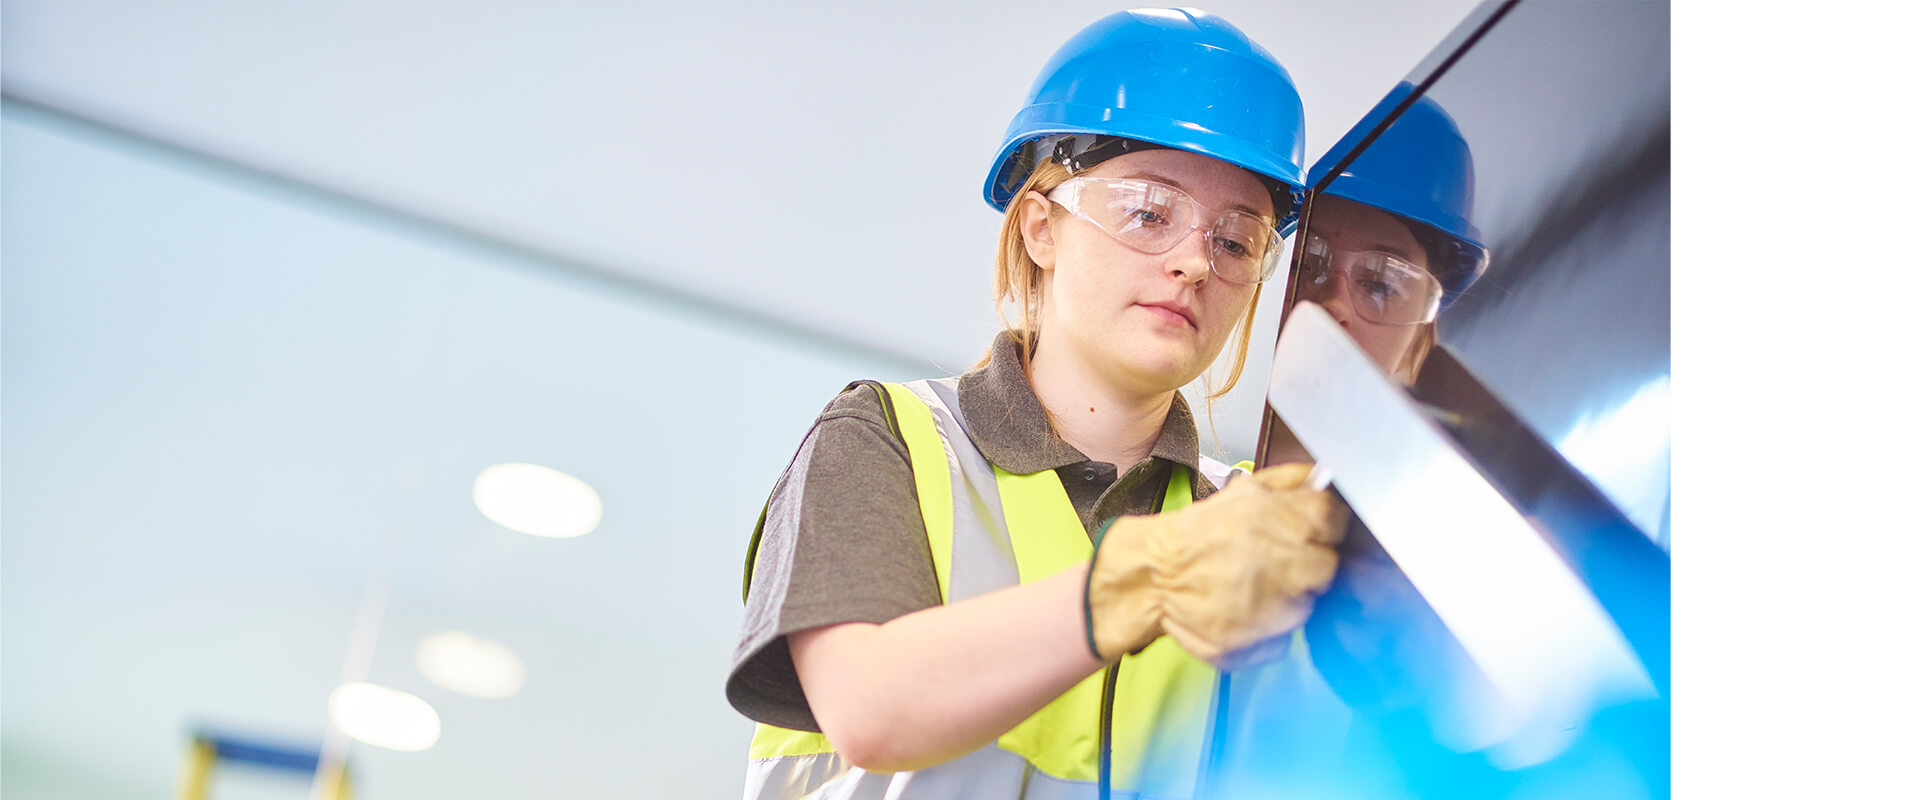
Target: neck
[1105, 423]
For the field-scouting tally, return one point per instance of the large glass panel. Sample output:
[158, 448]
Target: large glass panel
[1494, 238]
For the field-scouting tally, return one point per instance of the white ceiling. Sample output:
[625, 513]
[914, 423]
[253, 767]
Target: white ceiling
[813, 162]
[818, 165]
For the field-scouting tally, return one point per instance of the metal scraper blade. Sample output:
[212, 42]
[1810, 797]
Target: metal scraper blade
[1520, 612]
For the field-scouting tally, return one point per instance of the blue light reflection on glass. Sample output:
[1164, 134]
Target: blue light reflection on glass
[1627, 450]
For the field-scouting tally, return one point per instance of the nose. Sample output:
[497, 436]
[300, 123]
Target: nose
[1191, 258]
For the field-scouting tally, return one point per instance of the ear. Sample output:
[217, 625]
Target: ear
[1036, 228]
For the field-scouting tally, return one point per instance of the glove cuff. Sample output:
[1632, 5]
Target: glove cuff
[1123, 608]
[1086, 590]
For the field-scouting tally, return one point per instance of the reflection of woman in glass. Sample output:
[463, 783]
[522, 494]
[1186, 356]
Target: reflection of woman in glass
[1366, 268]
[1372, 271]
[1389, 242]
[1387, 246]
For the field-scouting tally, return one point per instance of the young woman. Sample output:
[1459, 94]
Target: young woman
[960, 586]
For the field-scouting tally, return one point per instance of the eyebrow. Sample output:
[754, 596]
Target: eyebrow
[1393, 251]
[1388, 249]
[1241, 207]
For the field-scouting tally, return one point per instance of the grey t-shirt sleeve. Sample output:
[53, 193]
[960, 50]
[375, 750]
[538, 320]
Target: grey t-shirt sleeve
[843, 542]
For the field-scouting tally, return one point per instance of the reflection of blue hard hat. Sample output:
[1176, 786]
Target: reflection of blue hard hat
[1420, 169]
[1178, 78]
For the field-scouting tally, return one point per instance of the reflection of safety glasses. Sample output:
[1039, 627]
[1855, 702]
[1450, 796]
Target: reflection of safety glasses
[1152, 217]
[1381, 288]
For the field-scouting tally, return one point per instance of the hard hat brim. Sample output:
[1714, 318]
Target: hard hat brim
[1052, 119]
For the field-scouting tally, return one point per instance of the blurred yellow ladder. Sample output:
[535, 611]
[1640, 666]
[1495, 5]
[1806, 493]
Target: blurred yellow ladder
[210, 750]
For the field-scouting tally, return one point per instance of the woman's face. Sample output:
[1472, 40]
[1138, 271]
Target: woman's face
[1350, 229]
[1142, 322]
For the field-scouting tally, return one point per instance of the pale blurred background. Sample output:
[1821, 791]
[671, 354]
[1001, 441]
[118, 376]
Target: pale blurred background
[281, 281]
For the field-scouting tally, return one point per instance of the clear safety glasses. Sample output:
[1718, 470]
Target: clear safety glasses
[1152, 217]
[1381, 287]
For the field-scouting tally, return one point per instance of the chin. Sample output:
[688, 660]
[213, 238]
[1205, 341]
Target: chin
[1162, 368]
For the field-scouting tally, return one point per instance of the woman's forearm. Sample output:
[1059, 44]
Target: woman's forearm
[932, 685]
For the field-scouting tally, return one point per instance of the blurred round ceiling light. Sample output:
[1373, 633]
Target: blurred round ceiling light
[470, 665]
[537, 500]
[384, 717]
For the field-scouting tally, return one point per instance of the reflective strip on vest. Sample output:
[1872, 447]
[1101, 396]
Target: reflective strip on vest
[989, 529]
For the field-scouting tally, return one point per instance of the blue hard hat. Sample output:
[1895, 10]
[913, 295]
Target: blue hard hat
[1173, 77]
[1419, 169]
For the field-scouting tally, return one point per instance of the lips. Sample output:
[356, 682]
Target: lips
[1178, 309]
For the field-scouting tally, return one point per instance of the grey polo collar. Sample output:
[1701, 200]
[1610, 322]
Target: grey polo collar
[1008, 425]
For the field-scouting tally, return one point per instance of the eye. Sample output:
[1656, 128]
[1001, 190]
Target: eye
[1377, 289]
[1233, 248]
[1150, 216]
[1240, 236]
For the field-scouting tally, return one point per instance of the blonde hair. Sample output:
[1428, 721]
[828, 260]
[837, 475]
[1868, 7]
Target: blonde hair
[1016, 281]
[1408, 370]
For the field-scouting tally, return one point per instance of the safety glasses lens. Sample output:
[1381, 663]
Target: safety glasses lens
[1146, 215]
[1245, 249]
[1388, 290]
[1152, 217]
[1380, 287]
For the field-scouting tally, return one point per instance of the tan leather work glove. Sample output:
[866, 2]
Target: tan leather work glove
[1224, 577]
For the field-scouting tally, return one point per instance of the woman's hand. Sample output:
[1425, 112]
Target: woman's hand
[1223, 576]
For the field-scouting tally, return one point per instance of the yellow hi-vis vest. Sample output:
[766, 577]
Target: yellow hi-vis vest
[989, 529]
